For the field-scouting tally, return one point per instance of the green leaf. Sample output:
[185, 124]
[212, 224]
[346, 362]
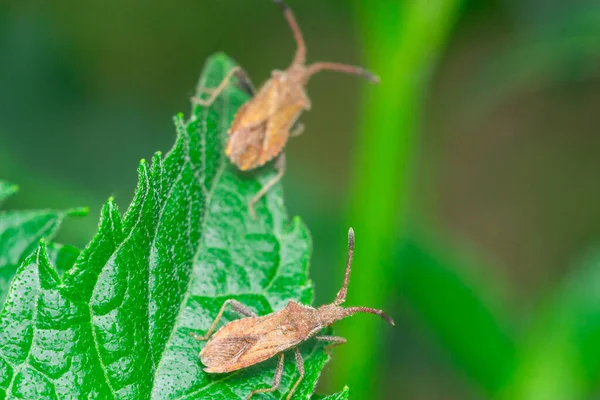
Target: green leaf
[20, 231]
[343, 395]
[62, 256]
[561, 356]
[446, 297]
[118, 324]
[46, 344]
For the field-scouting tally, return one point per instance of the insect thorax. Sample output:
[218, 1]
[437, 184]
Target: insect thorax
[300, 318]
[290, 87]
[329, 313]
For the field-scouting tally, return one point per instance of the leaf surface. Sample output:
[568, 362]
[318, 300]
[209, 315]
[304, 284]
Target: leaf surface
[20, 231]
[118, 323]
[343, 395]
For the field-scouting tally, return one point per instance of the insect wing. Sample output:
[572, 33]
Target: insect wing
[244, 147]
[246, 342]
[225, 353]
[227, 344]
[261, 127]
[279, 332]
[270, 344]
[277, 131]
[246, 136]
[256, 110]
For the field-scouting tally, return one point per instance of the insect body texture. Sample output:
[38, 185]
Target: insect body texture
[262, 126]
[254, 339]
[251, 340]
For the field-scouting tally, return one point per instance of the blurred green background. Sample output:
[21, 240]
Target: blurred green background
[470, 174]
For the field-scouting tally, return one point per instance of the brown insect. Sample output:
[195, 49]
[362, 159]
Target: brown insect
[254, 339]
[263, 124]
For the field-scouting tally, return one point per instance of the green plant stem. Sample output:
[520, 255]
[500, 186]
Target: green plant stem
[402, 40]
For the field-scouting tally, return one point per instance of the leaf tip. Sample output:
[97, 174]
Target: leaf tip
[179, 121]
[41, 253]
[48, 275]
[220, 57]
[143, 169]
[157, 160]
[109, 206]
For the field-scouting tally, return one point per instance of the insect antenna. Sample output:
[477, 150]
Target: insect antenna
[347, 69]
[300, 57]
[353, 310]
[341, 296]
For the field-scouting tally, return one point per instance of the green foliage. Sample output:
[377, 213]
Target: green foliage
[433, 282]
[62, 256]
[118, 322]
[554, 356]
[343, 395]
[20, 231]
[561, 347]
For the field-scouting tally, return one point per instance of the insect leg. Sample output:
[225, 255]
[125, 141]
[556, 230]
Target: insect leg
[244, 82]
[334, 342]
[276, 379]
[236, 305]
[297, 129]
[280, 166]
[217, 91]
[300, 364]
[242, 309]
